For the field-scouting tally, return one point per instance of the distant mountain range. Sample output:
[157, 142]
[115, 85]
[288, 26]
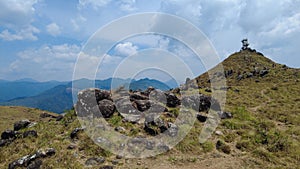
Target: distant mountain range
[57, 96]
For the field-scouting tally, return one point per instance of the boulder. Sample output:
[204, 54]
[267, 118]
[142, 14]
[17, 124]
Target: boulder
[95, 161]
[21, 125]
[142, 105]
[8, 135]
[106, 107]
[30, 133]
[172, 100]
[137, 96]
[200, 103]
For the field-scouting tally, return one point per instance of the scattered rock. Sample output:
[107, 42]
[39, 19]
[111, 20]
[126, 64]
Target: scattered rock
[119, 129]
[142, 105]
[119, 157]
[173, 129]
[106, 107]
[71, 147]
[240, 77]
[201, 118]
[220, 145]
[45, 115]
[3, 142]
[95, 161]
[172, 100]
[32, 160]
[30, 133]
[249, 75]
[219, 133]
[59, 117]
[106, 167]
[200, 103]
[208, 90]
[262, 73]
[74, 133]
[225, 115]
[8, 134]
[35, 164]
[115, 162]
[138, 96]
[21, 125]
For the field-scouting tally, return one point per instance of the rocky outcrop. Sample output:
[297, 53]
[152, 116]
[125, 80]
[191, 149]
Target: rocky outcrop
[30, 133]
[33, 160]
[106, 107]
[21, 125]
[94, 161]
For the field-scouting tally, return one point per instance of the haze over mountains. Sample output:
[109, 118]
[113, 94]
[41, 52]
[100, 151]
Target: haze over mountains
[56, 96]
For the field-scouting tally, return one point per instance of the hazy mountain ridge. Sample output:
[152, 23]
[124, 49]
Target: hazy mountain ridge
[59, 98]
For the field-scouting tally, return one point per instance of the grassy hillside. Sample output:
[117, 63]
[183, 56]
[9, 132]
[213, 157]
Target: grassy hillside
[263, 133]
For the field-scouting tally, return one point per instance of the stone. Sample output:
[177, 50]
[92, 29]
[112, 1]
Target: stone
[172, 100]
[142, 105]
[21, 125]
[208, 90]
[219, 133]
[45, 115]
[106, 167]
[30, 133]
[32, 160]
[74, 133]
[200, 103]
[8, 134]
[115, 162]
[225, 115]
[3, 143]
[106, 107]
[172, 130]
[119, 157]
[221, 146]
[201, 118]
[35, 164]
[95, 161]
[59, 117]
[240, 77]
[262, 73]
[120, 129]
[71, 147]
[138, 96]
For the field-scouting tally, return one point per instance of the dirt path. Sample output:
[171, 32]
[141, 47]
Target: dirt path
[263, 104]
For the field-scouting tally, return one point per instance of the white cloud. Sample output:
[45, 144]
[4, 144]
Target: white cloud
[77, 22]
[46, 63]
[126, 49]
[127, 5]
[95, 4]
[27, 33]
[53, 29]
[16, 18]
[16, 13]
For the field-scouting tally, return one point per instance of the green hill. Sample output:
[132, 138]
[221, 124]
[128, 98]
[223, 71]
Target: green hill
[263, 132]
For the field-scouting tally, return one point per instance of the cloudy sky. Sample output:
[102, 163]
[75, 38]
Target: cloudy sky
[41, 39]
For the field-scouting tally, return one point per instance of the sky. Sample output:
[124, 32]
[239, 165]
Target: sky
[41, 39]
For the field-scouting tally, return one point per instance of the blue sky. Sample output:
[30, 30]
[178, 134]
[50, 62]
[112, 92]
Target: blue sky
[41, 39]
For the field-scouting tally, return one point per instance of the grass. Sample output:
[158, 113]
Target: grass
[264, 127]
